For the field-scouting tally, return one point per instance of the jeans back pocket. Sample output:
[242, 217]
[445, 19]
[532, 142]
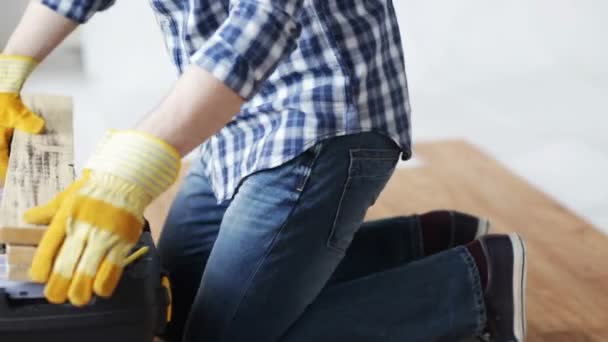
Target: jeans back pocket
[369, 171]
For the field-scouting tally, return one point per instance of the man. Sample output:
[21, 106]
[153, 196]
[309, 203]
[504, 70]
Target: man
[302, 111]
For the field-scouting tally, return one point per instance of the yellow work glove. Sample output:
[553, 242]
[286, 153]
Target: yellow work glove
[5, 140]
[14, 70]
[100, 217]
[44, 214]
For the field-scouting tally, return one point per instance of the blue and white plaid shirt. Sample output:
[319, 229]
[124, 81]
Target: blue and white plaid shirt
[310, 70]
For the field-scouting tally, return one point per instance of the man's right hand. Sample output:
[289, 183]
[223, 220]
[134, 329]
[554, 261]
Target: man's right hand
[14, 70]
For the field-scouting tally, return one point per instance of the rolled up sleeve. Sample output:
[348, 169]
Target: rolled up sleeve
[78, 10]
[252, 41]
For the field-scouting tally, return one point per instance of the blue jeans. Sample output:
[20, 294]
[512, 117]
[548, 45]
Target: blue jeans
[290, 259]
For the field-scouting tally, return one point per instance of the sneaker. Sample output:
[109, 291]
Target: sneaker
[505, 295]
[445, 229]
[468, 227]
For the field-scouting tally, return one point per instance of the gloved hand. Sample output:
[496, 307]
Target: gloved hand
[99, 218]
[13, 113]
[44, 214]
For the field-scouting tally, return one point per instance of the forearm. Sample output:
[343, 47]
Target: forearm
[225, 72]
[39, 32]
[197, 107]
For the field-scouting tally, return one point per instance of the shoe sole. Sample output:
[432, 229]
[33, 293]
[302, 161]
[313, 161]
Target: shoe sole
[483, 228]
[519, 287]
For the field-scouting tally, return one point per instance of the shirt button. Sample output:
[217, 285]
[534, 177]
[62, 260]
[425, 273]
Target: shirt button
[293, 29]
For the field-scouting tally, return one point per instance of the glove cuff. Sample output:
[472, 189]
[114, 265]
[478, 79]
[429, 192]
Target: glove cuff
[14, 70]
[138, 158]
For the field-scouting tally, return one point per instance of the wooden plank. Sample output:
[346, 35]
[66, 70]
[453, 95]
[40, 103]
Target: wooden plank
[568, 270]
[39, 167]
[19, 255]
[15, 273]
[15, 262]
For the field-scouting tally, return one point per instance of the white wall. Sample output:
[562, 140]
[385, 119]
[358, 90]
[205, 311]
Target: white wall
[11, 11]
[522, 64]
[124, 46]
[469, 40]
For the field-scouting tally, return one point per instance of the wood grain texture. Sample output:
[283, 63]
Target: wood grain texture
[568, 270]
[39, 167]
[20, 255]
[15, 273]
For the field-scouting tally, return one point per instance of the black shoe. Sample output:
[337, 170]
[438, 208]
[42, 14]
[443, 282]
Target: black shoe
[505, 295]
[468, 227]
[445, 229]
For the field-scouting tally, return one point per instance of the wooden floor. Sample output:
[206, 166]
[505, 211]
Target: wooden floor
[568, 258]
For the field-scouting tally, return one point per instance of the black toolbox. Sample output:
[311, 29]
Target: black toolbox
[136, 312]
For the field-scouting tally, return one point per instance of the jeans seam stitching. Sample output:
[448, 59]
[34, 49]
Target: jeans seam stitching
[420, 249]
[479, 300]
[304, 178]
[369, 177]
[272, 244]
[338, 209]
[373, 158]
